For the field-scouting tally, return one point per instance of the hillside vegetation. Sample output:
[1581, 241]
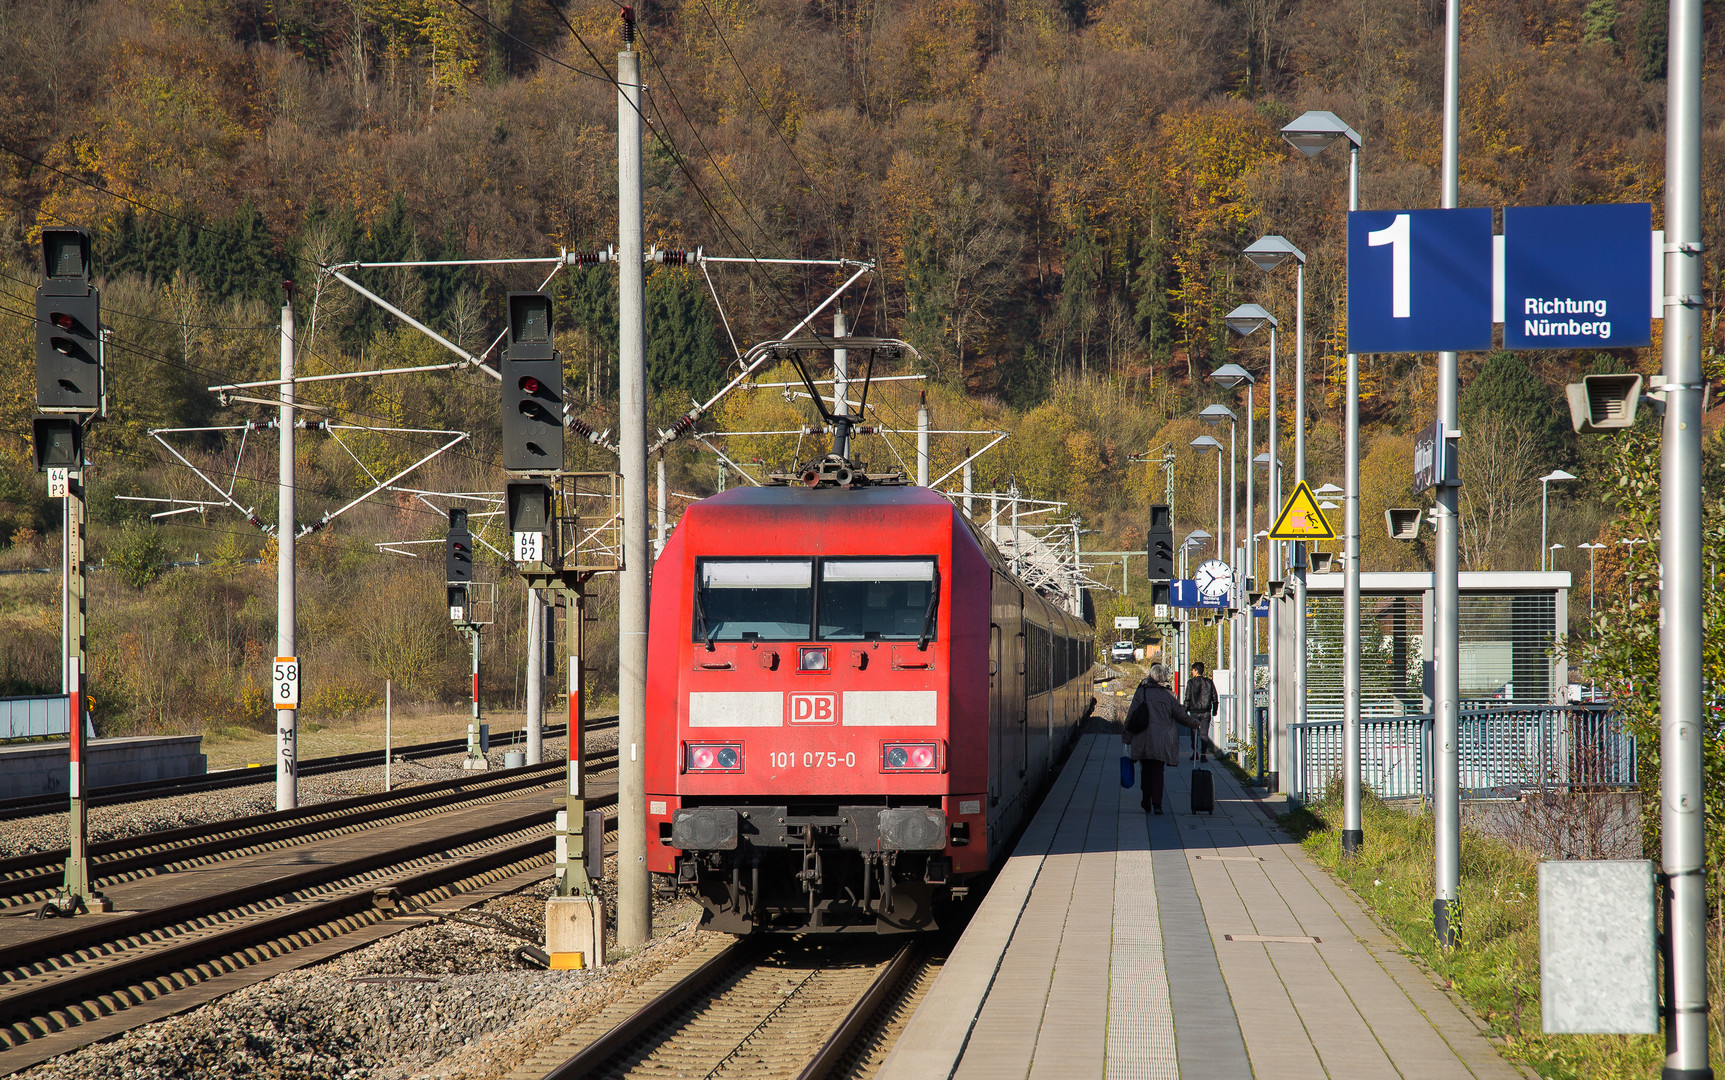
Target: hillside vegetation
[1055, 193]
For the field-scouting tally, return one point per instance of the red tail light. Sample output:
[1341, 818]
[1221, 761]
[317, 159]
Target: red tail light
[910, 757]
[713, 757]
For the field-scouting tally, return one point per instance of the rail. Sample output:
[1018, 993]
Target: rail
[1503, 751]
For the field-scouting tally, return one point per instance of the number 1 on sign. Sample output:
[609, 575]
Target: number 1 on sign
[1397, 236]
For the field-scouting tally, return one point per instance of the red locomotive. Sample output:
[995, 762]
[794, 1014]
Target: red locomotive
[851, 702]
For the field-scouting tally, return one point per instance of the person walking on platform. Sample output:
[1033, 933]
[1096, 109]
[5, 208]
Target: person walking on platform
[1151, 737]
[1202, 702]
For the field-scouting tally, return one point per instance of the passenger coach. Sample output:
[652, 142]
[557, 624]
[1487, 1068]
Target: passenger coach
[850, 703]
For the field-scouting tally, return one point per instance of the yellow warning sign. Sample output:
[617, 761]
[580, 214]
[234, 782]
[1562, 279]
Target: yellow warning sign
[1301, 519]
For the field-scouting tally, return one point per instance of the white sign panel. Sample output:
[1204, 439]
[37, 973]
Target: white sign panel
[1125, 622]
[1161, 611]
[286, 680]
[59, 483]
[529, 547]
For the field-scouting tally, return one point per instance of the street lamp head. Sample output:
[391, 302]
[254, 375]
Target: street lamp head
[1328, 505]
[1196, 537]
[1249, 317]
[1230, 376]
[1557, 474]
[1556, 547]
[1206, 442]
[1312, 131]
[1262, 461]
[1329, 489]
[1269, 252]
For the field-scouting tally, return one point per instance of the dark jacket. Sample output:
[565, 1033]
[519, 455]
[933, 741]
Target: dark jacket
[1159, 741]
[1201, 697]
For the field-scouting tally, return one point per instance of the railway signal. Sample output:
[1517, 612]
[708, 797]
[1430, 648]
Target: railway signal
[1161, 543]
[68, 326]
[532, 388]
[458, 564]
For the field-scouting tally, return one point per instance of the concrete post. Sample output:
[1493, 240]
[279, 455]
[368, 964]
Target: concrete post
[535, 703]
[922, 442]
[634, 903]
[287, 728]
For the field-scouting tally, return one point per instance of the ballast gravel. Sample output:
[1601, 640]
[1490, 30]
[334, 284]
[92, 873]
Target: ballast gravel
[449, 1001]
[115, 821]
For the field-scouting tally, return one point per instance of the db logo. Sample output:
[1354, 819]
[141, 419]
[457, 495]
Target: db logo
[814, 708]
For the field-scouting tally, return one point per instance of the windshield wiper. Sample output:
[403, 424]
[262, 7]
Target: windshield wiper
[701, 617]
[928, 622]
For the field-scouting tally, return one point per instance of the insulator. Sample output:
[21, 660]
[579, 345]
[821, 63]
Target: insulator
[256, 523]
[628, 26]
[586, 258]
[677, 256]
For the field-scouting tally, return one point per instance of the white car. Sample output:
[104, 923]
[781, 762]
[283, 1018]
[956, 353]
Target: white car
[1122, 650]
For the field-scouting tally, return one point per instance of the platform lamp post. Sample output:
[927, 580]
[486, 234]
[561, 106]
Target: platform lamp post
[1544, 504]
[1268, 253]
[1201, 444]
[1274, 569]
[1243, 320]
[1195, 539]
[1310, 133]
[1213, 416]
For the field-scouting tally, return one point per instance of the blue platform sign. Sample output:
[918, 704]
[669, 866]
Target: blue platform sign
[1577, 277]
[1419, 280]
[1183, 593]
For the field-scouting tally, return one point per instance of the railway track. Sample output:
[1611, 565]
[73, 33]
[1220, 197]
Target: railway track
[97, 976]
[36, 876]
[228, 778]
[805, 1008]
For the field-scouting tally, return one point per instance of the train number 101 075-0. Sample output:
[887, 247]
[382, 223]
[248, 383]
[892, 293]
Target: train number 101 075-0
[813, 759]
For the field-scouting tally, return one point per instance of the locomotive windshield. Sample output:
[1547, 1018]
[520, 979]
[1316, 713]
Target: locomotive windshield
[760, 599]
[877, 599]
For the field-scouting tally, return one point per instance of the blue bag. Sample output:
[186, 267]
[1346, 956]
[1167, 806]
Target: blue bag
[1127, 774]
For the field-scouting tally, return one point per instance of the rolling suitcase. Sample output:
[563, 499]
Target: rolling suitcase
[1203, 791]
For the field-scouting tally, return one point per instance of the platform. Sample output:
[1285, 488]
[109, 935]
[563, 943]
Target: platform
[1121, 945]
[41, 768]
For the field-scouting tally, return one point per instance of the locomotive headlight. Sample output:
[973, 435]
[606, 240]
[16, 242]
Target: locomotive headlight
[910, 757]
[712, 757]
[812, 660]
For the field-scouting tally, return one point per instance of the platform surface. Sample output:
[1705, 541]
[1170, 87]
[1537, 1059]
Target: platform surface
[1120, 945]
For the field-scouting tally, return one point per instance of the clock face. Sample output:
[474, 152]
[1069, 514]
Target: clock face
[1214, 578]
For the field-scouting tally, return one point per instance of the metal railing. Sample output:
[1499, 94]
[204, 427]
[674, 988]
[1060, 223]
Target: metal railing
[1503, 751]
[33, 717]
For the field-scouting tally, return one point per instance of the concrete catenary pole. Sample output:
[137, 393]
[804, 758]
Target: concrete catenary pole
[841, 388]
[535, 676]
[1681, 806]
[1446, 563]
[969, 503]
[1352, 834]
[663, 509]
[634, 904]
[922, 443]
[287, 728]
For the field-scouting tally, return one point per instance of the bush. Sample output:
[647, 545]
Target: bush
[137, 556]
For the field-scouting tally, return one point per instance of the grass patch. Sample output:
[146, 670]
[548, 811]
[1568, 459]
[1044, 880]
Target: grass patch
[1497, 968]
